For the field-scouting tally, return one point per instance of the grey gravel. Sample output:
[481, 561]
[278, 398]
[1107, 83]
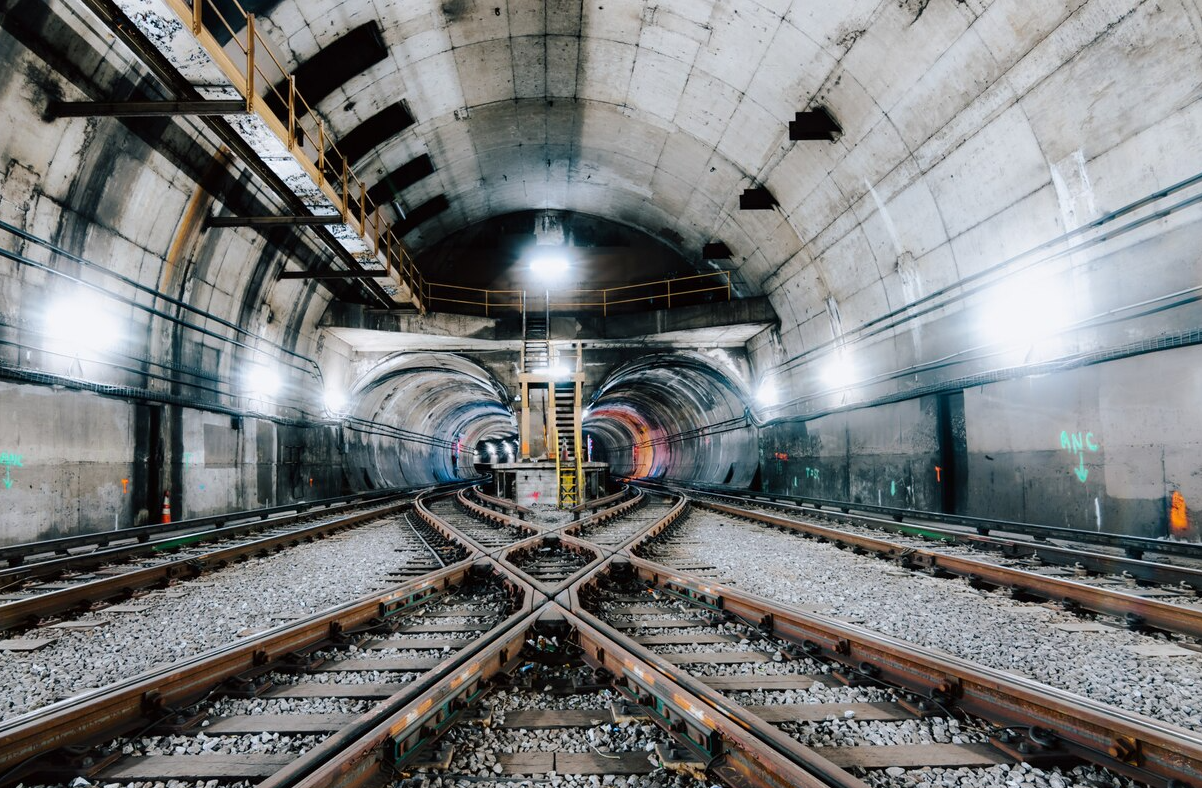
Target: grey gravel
[200, 615]
[988, 628]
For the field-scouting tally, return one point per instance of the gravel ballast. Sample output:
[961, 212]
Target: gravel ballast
[986, 627]
[200, 615]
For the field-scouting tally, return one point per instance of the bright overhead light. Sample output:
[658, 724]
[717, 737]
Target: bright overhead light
[80, 322]
[1024, 310]
[558, 371]
[767, 394]
[549, 265]
[262, 382]
[335, 401]
[839, 371]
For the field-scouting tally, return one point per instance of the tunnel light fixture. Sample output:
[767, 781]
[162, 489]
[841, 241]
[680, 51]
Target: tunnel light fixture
[549, 265]
[839, 371]
[1023, 311]
[82, 323]
[767, 395]
[555, 371]
[335, 401]
[262, 382]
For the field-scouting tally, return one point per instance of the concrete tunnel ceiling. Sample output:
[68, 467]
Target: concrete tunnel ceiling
[676, 416]
[434, 402]
[965, 133]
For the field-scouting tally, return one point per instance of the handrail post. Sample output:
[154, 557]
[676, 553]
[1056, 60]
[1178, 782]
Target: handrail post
[197, 11]
[669, 283]
[728, 285]
[605, 303]
[363, 210]
[486, 303]
[291, 112]
[250, 62]
[321, 153]
[346, 195]
[376, 223]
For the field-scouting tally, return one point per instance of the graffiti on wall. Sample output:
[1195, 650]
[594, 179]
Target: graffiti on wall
[1077, 444]
[10, 461]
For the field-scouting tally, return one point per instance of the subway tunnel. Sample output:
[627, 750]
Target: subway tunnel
[908, 261]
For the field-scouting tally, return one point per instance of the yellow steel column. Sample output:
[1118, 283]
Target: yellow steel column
[525, 419]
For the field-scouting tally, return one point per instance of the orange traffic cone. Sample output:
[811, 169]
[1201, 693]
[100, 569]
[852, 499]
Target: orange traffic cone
[166, 518]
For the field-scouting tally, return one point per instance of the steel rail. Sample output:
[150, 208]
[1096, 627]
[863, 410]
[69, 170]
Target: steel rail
[99, 715]
[734, 752]
[1150, 751]
[1152, 572]
[31, 610]
[393, 739]
[429, 517]
[489, 515]
[690, 702]
[1135, 546]
[502, 504]
[604, 515]
[53, 568]
[389, 737]
[603, 502]
[510, 555]
[16, 554]
[1135, 610]
[1101, 563]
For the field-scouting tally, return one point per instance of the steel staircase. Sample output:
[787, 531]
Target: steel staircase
[536, 347]
[565, 400]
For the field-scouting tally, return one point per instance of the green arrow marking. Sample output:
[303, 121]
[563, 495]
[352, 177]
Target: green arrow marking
[1081, 471]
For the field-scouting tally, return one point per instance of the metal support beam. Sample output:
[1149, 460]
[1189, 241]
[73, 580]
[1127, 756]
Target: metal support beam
[381, 274]
[271, 221]
[143, 109]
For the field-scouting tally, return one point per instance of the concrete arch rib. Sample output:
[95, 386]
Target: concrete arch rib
[439, 404]
[675, 416]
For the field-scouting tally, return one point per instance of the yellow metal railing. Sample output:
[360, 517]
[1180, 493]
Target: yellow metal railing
[249, 62]
[599, 298]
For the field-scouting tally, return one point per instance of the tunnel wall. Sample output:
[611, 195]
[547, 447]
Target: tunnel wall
[159, 404]
[80, 462]
[1101, 447]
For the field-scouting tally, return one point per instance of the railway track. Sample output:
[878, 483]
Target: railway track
[615, 532]
[484, 529]
[1178, 574]
[567, 659]
[952, 526]
[30, 605]
[82, 546]
[1119, 595]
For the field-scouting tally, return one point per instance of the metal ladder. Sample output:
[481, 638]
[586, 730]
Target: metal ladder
[569, 470]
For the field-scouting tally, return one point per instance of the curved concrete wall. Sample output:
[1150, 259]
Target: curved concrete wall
[444, 404]
[674, 416]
